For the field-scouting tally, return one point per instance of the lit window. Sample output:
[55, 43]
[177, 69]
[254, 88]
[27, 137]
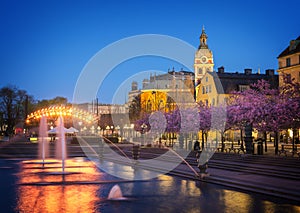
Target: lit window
[243, 87]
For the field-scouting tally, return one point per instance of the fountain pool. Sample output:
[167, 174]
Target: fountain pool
[24, 188]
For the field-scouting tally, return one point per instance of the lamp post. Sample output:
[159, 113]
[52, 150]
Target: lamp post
[154, 94]
[80, 123]
[93, 130]
[98, 130]
[107, 129]
[143, 126]
[112, 130]
[118, 132]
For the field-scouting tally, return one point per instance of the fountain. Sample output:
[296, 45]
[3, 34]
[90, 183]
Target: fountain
[60, 149]
[61, 152]
[190, 167]
[43, 145]
[115, 193]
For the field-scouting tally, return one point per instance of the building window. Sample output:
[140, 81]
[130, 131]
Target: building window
[288, 62]
[242, 88]
[213, 102]
[200, 72]
[209, 88]
[206, 79]
[203, 90]
[226, 100]
[288, 78]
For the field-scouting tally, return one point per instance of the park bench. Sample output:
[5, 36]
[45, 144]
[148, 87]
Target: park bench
[231, 147]
[288, 149]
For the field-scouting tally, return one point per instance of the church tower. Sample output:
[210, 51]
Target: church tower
[203, 59]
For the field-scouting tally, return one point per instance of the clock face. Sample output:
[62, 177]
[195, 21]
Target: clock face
[204, 59]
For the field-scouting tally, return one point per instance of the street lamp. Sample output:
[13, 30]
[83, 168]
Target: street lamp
[118, 132]
[80, 123]
[154, 94]
[144, 126]
[107, 129]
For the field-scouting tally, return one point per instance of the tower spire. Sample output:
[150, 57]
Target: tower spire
[203, 39]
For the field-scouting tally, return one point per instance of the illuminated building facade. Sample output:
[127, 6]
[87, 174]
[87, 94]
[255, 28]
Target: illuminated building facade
[215, 87]
[289, 61]
[165, 92]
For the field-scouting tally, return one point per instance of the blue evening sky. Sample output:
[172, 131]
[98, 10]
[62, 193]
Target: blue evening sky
[46, 44]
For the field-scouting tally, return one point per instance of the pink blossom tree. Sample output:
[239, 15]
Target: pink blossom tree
[266, 109]
[252, 107]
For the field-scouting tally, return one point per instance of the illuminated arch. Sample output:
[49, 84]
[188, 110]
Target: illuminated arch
[64, 111]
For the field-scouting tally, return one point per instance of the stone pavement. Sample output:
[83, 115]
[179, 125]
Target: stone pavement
[281, 186]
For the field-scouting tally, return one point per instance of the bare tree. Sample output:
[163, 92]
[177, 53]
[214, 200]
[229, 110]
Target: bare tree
[13, 107]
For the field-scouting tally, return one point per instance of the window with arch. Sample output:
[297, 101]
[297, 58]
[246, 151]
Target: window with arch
[200, 71]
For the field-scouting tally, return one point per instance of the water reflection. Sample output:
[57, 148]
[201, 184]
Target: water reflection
[71, 198]
[42, 190]
[85, 189]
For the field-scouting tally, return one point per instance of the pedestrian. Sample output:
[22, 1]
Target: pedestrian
[196, 146]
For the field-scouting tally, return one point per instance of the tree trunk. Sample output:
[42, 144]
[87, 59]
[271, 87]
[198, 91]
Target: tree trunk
[276, 143]
[265, 138]
[293, 141]
[222, 141]
[248, 139]
[202, 143]
[241, 135]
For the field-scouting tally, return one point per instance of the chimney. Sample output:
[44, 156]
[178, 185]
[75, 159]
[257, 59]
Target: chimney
[134, 86]
[221, 69]
[145, 83]
[248, 71]
[270, 72]
[292, 45]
